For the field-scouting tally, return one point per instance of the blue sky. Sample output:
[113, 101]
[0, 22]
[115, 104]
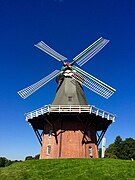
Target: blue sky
[69, 26]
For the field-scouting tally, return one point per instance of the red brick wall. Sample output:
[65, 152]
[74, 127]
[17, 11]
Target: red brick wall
[69, 138]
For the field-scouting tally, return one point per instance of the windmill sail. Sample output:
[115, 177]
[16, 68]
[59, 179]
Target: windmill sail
[79, 75]
[24, 93]
[93, 83]
[90, 51]
[44, 47]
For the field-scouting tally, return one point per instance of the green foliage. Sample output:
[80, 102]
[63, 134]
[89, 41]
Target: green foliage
[9, 162]
[28, 158]
[37, 156]
[118, 140]
[127, 149]
[3, 161]
[74, 169]
[121, 149]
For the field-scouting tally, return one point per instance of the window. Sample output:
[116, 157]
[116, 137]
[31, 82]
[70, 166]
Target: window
[50, 133]
[48, 150]
[70, 98]
[90, 152]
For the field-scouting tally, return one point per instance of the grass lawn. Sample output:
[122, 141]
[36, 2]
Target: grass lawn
[79, 169]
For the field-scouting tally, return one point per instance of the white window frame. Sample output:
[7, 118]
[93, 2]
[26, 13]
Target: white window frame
[48, 150]
[90, 152]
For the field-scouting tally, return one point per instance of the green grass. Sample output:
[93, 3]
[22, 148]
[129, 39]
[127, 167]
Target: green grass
[64, 169]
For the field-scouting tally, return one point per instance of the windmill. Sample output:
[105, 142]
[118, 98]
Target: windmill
[70, 117]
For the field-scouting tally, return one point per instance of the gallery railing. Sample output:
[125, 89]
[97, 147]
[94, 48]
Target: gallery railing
[70, 109]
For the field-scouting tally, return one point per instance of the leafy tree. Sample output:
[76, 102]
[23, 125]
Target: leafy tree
[37, 156]
[117, 145]
[9, 162]
[127, 149]
[3, 161]
[28, 158]
[121, 149]
[114, 150]
[118, 140]
[111, 151]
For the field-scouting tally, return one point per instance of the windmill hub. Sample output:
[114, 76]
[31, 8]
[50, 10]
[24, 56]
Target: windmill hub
[68, 64]
[69, 73]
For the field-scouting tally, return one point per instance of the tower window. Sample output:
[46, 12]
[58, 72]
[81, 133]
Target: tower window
[48, 150]
[90, 152]
[70, 98]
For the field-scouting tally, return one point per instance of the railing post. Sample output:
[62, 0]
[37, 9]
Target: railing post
[103, 114]
[97, 112]
[31, 115]
[42, 111]
[79, 109]
[90, 109]
[113, 118]
[36, 113]
[70, 108]
[26, 117]
[49, 108]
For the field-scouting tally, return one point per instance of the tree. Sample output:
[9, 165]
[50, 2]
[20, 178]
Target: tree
[127, 149]
[117, 145]
[28, 158]
[111, 151]
[3, 161]
[121, 149]
[118, 140]
[9, 162]
[37, 156]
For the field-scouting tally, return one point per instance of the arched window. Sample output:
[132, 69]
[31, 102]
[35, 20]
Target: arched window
[48, 150]
[90, 152]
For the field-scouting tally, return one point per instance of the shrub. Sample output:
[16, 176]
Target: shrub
[28, 158]
[3, 161]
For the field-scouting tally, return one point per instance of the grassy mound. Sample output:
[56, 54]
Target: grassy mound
[70, 169]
